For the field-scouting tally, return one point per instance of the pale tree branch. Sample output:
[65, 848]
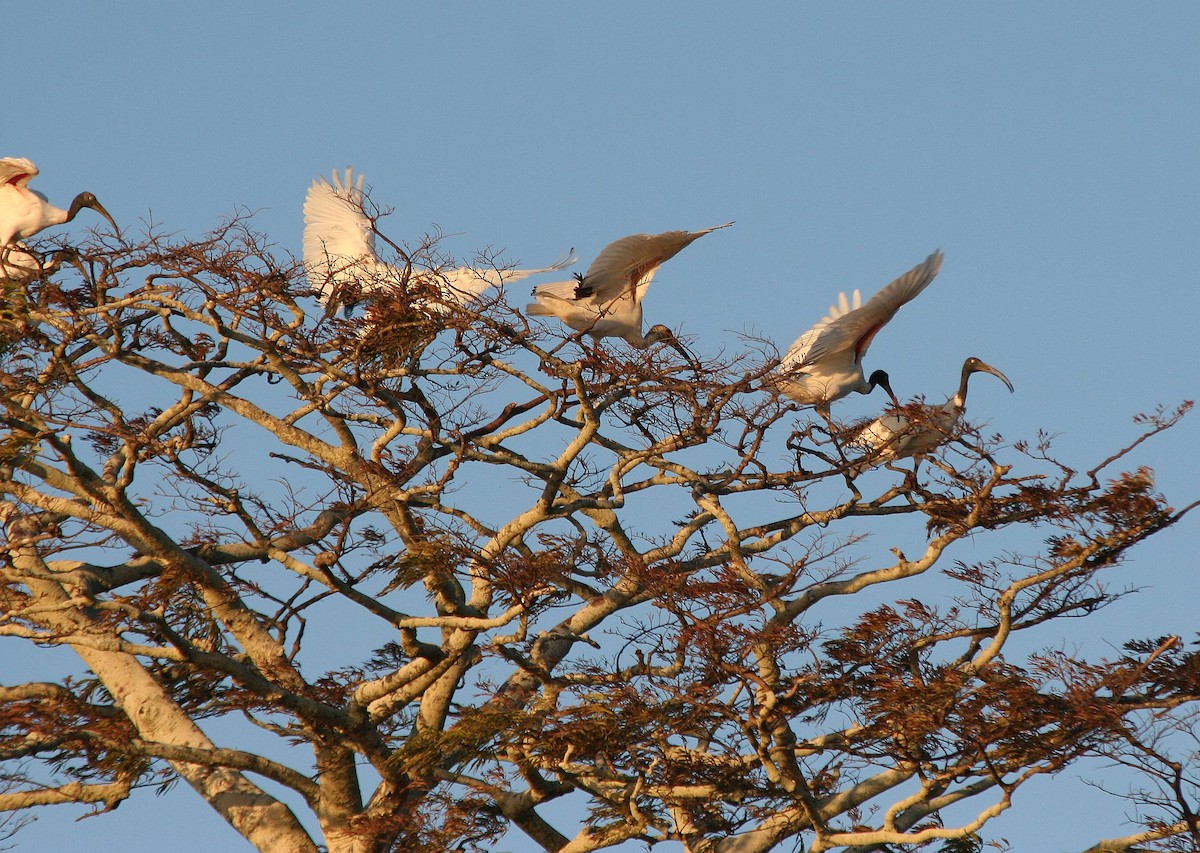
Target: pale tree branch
[438, 566]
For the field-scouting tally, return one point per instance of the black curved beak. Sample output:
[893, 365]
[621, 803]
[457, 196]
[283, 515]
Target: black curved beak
[984, 367]
[86, 199]
[887, 386]
[691, 360]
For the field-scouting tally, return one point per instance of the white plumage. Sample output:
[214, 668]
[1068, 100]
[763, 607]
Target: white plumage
[343, 267]
[19, 263]
[825, 363]
[919, 429]
[606, 301]
[25, 212]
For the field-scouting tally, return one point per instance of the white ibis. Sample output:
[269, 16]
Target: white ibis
[825, 363]
[343, 267]
[918, 429]
[25, 212]
[606, 301]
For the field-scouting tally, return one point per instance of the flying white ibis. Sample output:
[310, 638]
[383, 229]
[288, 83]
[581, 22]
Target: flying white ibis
[918, 429]
[825, 363]
[25, 212]
[343, 267]
[606, 301]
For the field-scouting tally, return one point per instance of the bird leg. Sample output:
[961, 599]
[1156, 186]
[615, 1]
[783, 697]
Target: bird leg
[910, 477]
[794, 444]
[594, 355]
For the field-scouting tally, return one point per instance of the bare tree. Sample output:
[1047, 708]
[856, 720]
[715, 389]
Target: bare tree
[438, 571]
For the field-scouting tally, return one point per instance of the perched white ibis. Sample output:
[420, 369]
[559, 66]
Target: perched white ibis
[825, 363]
[343, 267]
[606, 301]
[918, 429]
[25, 212]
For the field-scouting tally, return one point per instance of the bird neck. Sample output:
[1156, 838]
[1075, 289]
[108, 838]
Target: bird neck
[637, 340]
[959, 400]
[77, 205]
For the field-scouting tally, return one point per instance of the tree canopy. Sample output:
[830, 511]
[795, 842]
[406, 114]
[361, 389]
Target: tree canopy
[416, 579]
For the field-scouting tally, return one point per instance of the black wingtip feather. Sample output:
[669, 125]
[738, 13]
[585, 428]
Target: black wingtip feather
[582, 289]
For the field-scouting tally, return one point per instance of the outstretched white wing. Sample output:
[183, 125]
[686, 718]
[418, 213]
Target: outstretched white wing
[798, 351]
[16, 171]
[463, 284]
[343, 266]
[339, 241]
[630, 263]
[847, 331]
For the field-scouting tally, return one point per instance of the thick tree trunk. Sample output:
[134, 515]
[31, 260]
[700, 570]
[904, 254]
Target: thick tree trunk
[264, 821]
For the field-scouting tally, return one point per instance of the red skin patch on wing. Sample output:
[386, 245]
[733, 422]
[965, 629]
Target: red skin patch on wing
[865, 341]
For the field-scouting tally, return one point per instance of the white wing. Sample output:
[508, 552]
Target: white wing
[844, 306]
[339, 243]
[463, 284]
[849, 333]
[16, 171]
[916, 431]
[882, 432]
[630, 262]
[557, 298]
[798, 352]
[340, 256]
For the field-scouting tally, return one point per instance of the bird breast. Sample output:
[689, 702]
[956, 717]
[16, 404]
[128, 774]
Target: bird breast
[811, 388]
[918, 430]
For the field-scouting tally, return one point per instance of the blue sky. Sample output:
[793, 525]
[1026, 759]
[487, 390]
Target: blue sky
[1051, 150]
